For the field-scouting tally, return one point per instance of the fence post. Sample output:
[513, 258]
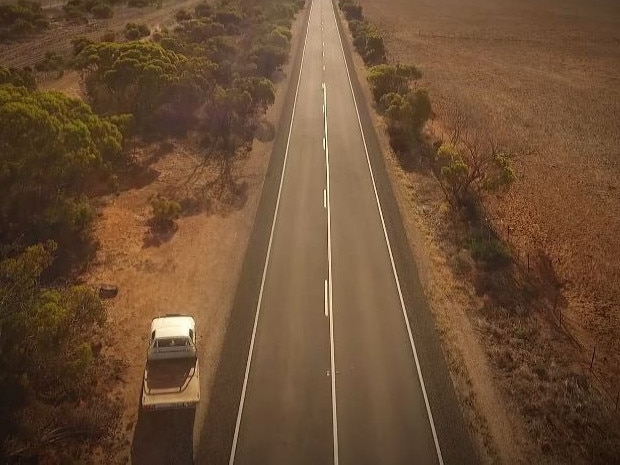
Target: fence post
[592, 361]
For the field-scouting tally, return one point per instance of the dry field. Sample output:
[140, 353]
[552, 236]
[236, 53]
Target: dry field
[544, 76]
[544, 79]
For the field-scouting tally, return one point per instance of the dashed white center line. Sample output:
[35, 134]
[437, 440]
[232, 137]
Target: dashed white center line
[330, 284]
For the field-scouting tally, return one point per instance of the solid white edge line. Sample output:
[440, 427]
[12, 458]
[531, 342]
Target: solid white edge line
[387, 241]
[332, 355]
[233, 450]
[326, 299]
[324, 198]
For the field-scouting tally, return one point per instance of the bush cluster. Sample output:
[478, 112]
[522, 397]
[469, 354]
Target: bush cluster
[135, 31]
[23, 18]
[404, 108]
[464, 171]
[165, 211]
[53, 148]
[51, 61]
[18, 77]
[77, 9]
[367, 40]
[140, 3]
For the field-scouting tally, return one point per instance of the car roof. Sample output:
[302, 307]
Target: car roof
[173, 326]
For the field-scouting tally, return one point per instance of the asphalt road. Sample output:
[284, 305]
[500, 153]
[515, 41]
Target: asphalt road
[331, 354]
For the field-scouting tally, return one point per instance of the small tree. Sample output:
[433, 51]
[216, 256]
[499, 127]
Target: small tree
[405, 115]
[165, 212]
[18, 77]
[203, 10]
[374, 50]
[351, 10]
[384, 79]
[102, 11]
[182, 15]
[471, 169]
[135, 31]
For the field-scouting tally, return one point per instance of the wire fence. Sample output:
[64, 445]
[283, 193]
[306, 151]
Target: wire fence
[537, 266]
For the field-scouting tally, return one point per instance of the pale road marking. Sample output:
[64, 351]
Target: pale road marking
[387, 241]
[324, 198]
[323, 143]
[233, 450]
[330, 287]
[326, 299]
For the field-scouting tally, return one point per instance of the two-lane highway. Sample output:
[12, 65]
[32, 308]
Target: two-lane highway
[332, 372]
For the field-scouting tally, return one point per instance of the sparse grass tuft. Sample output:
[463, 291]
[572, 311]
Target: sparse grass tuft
[492, 252]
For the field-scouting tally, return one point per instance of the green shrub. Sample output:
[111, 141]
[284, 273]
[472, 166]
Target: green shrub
[165, 212]
[79, 43]
[52, 61]
[22, 18]
[41, 23]
[21, 27]
[203, 10]
[470, 173]
[101, 11]
[73, 12]
[108, 36]
[18, 77]
[374, 50]
[405, 116]
[135, 31]
[352, 11]
[492, 252]
[139, 3]
[182, 15]
[385, 79]
[228, 16]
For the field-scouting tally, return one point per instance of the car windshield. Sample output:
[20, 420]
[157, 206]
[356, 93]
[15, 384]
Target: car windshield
[172, 342]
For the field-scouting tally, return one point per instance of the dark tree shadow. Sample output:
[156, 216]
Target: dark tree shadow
[278, 76]
[265, 130]
[157, 236]
[164, 438]
[135, 176]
